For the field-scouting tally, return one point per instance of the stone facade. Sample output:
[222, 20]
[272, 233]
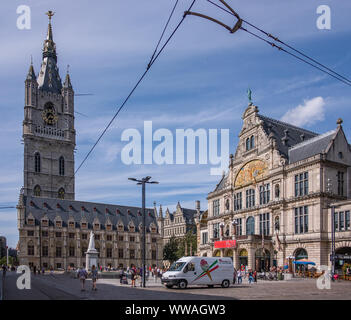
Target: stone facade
[278, 192]
[178, 223]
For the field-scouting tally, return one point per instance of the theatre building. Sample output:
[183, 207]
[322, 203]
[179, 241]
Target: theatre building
[274, 204]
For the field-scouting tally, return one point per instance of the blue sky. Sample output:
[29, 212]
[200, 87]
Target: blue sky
[200, 81]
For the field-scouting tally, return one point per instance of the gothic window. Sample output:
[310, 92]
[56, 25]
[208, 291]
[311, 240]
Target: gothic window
[264, 224]
[238, 201]
[247, 144]
[227, 204]
[301, 219]
[61, 193]
[216, 207]
[216, 230]
[340, 183]
[30, 249]
[252, 142]
[264, 194]
[61, 166]
[301, 184]
[37, 162]
[250, 225]
[37, 191]
[250, 198]
[277, 191]
[277, 223]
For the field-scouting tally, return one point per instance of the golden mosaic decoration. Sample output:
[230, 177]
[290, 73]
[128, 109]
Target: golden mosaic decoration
[250, 173]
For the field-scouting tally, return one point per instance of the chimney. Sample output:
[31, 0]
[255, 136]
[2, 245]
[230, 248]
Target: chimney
[197, 205]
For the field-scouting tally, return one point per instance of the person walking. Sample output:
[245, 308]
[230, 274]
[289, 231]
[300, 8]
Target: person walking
[234, 276]
[94, 276]
[35, 270]
[255, 276]
[133, 275]
[82, 275]
[239, 275]
[251, 279]
[4, 269]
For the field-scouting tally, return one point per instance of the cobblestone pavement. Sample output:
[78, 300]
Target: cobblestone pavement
[63, 287]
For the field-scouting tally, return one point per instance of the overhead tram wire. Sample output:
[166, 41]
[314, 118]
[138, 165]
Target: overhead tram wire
[152, 61]
[295, 56]
[331, 72]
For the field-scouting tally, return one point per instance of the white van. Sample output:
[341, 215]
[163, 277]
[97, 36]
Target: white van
[208, 271]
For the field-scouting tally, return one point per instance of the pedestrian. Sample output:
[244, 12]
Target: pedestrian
[94, 276]
[239, 275]
[42, 270]
[51, 270]
[155, 274]
[4, 269]
[35, 270]
[251, 279]
[82, 275]
[133, 272]
[234, 276]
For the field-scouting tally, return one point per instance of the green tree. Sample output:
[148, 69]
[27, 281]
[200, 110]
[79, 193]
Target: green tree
[170, 250]
[190, 239]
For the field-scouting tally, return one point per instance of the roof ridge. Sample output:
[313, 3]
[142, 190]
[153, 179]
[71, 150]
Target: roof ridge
[87, 202]
[311, 140]
[288, 124]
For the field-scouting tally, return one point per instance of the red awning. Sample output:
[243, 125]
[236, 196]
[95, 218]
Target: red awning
[225, 244]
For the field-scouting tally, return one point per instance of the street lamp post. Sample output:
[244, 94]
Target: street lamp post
[329, 185]
[235, 223]
[142, 182]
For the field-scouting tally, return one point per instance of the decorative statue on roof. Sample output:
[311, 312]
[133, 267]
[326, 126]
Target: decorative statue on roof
[249, 95]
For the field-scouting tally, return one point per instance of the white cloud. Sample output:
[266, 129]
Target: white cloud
[307, 113]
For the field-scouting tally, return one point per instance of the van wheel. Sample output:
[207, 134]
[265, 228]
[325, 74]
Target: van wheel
[210, 285]
[182, 284]
[225, 284]
[169, 286]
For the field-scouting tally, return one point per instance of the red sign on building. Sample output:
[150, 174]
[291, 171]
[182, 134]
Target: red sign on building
[225, 244]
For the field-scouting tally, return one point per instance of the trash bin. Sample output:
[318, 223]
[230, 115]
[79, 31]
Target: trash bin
[280, 276]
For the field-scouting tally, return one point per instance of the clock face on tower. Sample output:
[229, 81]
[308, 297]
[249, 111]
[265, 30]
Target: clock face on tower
[49, 114]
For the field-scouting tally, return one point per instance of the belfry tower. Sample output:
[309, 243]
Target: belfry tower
[48, 128]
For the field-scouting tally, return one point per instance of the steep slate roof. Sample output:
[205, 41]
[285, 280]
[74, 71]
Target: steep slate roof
[311, 147]
[61, 208]
[285, 132]
[221, 183]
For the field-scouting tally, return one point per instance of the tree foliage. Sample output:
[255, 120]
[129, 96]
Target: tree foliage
[170, 250]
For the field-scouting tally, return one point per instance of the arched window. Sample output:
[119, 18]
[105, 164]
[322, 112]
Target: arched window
[61, 166]
[252, 142]
[61, 193]
[37, 164]
[37, 191]
[250, 225]
[301, 253]
[247, 144]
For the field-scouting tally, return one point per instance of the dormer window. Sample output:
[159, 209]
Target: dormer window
[120, 227]
[84, 225]
[108, 227]
[153, 229]
[30, 221]
[71, 224]
[58, 224]
[96, 226]
[44, 223]
[131, 228]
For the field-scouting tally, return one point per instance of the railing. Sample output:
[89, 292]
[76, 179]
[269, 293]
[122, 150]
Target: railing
[49, 132]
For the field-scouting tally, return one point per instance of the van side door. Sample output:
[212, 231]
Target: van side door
[189, 272]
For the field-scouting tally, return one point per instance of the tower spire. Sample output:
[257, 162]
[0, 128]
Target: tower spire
[49, 77]
[49, 44]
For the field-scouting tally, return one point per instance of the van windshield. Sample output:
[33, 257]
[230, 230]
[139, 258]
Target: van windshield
[176, 266]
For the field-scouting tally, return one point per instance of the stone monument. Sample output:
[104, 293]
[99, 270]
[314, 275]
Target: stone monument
[92, 255]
